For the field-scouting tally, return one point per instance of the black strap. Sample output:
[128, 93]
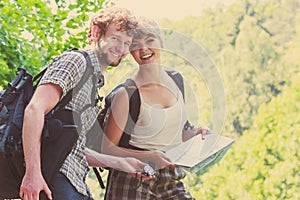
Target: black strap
[134, 111]
[99, 176]
[39, 75]
[178, 79]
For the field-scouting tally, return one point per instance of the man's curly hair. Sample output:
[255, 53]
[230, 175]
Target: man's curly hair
[122, 17]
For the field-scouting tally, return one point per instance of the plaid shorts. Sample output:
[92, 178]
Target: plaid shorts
[166, 185]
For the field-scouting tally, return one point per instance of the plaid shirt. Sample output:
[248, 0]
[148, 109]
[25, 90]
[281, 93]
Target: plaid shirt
[66, 71]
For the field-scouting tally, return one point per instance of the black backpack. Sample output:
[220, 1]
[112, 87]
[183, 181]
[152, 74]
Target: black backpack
[58, 137]
[94, 136]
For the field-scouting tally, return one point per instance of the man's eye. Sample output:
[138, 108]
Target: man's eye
[127, 44]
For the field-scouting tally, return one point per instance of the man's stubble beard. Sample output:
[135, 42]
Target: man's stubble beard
[107, 62]
[103, 58]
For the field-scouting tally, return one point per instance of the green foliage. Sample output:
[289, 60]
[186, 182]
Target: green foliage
[264, 163]
[32, 32]
[92, 181]
[254, 45]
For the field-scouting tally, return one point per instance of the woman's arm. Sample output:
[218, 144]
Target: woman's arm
[114, 129]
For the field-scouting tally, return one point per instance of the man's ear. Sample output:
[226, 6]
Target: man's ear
[95, 33]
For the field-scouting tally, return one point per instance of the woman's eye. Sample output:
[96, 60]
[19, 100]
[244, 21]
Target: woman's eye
[133, 46]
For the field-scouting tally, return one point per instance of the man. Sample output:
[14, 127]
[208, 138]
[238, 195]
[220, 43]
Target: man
[109, 39]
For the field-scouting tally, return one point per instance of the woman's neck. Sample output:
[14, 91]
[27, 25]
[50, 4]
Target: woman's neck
[149, 74]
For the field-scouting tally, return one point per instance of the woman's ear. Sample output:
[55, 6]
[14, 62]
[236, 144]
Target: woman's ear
[95, 33]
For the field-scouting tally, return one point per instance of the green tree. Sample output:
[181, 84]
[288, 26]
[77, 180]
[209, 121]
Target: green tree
[263, 163]
[33, 31]
[251, 44]
[255, 45]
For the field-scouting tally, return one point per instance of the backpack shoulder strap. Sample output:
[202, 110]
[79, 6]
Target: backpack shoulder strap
[134, 99]
[134, 111]
[39, 75]
[178, 79]
[88, 71]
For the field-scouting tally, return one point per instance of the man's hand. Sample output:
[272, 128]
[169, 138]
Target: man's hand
[129, 165]
[134, 167]
[44, 99]
[32, 185]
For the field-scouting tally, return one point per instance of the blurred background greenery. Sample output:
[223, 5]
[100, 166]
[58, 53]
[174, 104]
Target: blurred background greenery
[255, 45]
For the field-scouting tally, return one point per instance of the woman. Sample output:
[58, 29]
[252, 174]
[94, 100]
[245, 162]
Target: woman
[160, 125]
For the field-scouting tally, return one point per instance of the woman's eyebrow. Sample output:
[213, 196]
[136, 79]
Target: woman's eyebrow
[150, 35]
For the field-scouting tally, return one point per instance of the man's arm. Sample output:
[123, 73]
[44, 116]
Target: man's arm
[44, 99]
[130, 165]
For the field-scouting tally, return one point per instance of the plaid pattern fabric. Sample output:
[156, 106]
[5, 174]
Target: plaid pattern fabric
[166, 185]
[66, 71]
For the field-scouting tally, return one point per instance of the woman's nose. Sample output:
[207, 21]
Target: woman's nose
[144, 47]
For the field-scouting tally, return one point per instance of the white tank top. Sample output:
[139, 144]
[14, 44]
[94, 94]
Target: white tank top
[159, 128]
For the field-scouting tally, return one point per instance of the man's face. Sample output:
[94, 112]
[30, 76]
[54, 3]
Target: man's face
[114, 46]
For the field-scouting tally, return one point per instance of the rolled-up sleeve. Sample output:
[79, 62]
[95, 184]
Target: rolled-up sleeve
[65, 70]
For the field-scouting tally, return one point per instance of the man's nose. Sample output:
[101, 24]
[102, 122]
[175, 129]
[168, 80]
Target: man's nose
[121, 47]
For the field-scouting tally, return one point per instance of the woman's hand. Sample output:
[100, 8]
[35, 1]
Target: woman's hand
[191, 132]
[203, 130]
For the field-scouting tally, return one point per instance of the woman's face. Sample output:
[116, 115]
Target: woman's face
[146, 50]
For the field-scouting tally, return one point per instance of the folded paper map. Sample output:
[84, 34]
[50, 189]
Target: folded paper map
[196, 155]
